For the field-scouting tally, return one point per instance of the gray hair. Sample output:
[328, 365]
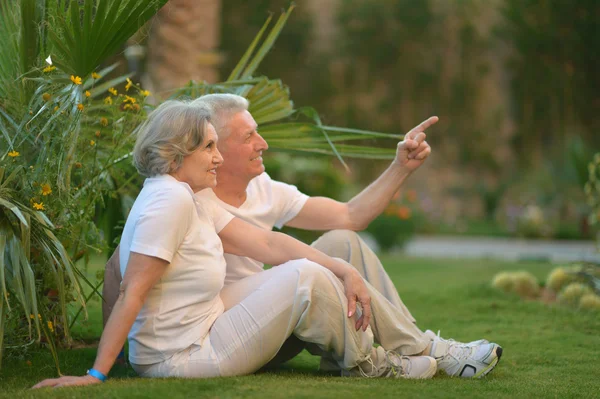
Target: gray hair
[223, 106]
[172, 131]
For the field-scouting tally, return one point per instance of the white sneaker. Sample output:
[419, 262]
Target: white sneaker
[433, 336]
[393, 365]
[474, 359]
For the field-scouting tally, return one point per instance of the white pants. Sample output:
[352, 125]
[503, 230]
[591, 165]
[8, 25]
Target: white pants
[303, 299]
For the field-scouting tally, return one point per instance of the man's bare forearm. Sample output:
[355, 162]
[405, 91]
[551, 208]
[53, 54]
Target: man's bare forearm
[371, 202]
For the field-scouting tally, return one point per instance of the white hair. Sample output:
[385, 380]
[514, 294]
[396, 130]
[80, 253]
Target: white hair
[223, 106]
[172, 131]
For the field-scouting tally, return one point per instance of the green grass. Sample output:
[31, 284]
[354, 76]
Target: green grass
[549, 351]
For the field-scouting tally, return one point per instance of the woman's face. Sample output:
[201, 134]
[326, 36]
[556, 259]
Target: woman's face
[199, 169]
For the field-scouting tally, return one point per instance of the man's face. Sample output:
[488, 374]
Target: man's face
[242, 148]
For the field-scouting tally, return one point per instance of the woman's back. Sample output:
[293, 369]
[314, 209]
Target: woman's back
[165, 222]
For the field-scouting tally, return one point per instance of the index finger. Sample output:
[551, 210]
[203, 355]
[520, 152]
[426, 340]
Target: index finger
[421, 127]
[366, 314]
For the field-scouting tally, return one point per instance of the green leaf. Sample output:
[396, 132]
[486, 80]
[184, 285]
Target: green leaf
[268, 43]
[236, 72]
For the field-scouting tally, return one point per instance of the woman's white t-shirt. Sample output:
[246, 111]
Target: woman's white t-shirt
[167, 222]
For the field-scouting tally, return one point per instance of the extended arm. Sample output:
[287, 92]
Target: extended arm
[244, 239]
[320, 213]
[142, 273]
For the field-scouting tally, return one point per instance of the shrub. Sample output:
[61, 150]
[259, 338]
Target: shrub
[559, 278]
[573, 292]
[503, 281]
[590, 302]
[522, 283]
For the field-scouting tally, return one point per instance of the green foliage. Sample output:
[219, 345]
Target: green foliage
[592, 190]
[96, 30]
[61, 137]
[398, 223]
[554, 75]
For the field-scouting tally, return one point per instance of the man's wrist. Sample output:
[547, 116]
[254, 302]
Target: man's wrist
[399, 167]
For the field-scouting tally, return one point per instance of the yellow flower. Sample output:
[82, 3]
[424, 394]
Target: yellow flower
[38, 206]
[145, 93]
[108, 100]
[130, 99]
[87, 93]
[96, 75]
[76, 79]
[136, 107]
[128, 85]
[46, 96]
[31, 316]
[56, 108]
[113, 91]
[46, 189]
[126, 107]
[80, 107]
[14, 154]
[49, 68]
[92, 143]
[97, 133]
[104, 121]
[50, 326]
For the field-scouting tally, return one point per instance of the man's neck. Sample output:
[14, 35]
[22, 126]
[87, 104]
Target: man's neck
[231, 189]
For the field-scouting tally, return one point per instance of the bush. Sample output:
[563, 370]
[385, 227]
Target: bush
[521, 283]
[573, 292]
[590, 302]
[398, 223]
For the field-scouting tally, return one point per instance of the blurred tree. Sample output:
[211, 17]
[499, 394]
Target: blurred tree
[183, 41]
[554, 67]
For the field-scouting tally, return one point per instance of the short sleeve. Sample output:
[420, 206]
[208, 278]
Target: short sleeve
[163, 223]
[288, 200]
[219, 216]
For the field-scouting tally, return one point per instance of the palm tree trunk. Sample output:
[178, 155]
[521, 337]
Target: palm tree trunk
[182, 45]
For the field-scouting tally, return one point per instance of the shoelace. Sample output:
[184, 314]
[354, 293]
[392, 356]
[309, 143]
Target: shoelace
[456, 350]
[395, 362]
[395, 368]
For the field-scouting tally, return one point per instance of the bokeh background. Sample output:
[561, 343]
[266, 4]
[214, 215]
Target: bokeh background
[514, 82]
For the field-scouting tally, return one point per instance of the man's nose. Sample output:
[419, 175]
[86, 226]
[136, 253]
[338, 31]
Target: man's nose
[261, 144]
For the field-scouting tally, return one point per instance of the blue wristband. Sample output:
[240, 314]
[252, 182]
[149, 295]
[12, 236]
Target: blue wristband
[96, 374]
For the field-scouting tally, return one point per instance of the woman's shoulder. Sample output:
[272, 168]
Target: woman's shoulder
[175, 193]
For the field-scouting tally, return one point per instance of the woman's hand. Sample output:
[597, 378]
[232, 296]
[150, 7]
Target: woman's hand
[356, 290]
[67, 381]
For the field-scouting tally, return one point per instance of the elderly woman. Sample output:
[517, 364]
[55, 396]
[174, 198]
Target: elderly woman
[172, 247]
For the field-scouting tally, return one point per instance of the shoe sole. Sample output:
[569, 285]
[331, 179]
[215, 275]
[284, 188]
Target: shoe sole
[491, 366]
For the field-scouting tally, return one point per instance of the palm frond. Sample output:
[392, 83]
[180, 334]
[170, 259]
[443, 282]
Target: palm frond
[87, 35]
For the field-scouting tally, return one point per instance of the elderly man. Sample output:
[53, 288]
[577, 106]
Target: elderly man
[246, 191]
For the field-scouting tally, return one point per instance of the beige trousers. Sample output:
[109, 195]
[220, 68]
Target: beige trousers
[348, 246]
[300, 298]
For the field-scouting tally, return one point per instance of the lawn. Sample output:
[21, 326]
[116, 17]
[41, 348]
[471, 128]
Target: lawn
[549, 351]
